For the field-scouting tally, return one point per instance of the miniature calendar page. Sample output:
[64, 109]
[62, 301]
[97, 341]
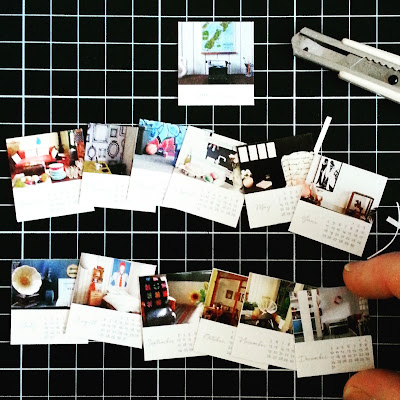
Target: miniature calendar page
[331, 332]
[157, 147]
[172, 305]
[272, 175]
[337, 204]
[106, 300]
[206, 181]
[215, 63]
[265, 331]
[218, 324]
[41, 295]
[107, 166]
[46, 172]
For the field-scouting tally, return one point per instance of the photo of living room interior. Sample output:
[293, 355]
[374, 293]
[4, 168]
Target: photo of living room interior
[109, 149]
[172, 299]
[203, 62]
[225, 297]
[46, 158]
[267, 303]
[334, 313]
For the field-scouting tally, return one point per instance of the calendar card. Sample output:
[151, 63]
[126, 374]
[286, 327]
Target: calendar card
[265, 331]
[41, 295]
[206, 181]
[338, 203]
[46, 173]
[218, 325]
[215, 63]
[157, 147]
[106, 300]
[107, 166]
[331, 331]
[272, 175]
[172, 305]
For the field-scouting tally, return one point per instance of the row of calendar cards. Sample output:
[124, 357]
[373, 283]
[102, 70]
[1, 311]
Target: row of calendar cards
[256, 320]
[199, 172]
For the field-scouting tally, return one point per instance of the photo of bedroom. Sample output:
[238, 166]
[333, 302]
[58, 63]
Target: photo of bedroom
[38, 284]
[225, 297]
[46, 158]
[344, 189]
[107, 283]
[109, 149]
[273, 165]
[215, 53]
[267, 303]
[173, 299]
[330, 313]
[210, 158]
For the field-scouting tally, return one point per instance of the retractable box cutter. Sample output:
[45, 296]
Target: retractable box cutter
[367, 67]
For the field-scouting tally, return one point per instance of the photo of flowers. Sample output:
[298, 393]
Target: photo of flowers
[172, 299]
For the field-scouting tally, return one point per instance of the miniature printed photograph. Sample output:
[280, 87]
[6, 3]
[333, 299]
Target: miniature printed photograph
[334, 313]
[216, 63]
[46, 158]
[225, 297]
[41, 293]
[173, 299]
[109, 149]
[344, 189]
[273, 165]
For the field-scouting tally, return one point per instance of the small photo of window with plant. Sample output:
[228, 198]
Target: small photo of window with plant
[267, 303]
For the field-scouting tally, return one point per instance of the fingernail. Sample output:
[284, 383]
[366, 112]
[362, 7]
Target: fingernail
[353, 393]
[348, 267]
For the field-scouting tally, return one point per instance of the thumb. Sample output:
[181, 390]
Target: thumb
[373, 384]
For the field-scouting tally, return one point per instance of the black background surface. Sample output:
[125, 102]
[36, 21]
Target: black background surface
[66, 63]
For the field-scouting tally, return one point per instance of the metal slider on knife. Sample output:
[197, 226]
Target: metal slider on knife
[367, 67]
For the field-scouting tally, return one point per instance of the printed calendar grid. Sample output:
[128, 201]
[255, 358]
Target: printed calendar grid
[22, 365]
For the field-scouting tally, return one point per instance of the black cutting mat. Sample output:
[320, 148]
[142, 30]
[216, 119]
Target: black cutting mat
[67, 63]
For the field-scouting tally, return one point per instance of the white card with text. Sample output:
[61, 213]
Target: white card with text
[206, 181]
[46, 172]
[272, 174]
[331, 331]
[218, 326]
[106, 301]
[172, 305]
[107, 166]
[337, 204]
[265, 330]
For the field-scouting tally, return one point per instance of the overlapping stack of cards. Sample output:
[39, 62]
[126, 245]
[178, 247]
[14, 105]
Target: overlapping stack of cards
[199, 172]
[256, 320]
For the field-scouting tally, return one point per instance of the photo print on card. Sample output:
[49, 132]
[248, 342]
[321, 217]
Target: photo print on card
[272, 175]
[215, 63]
[41, 294]
[172, 305]
[157, 148]
[337, 204]
[331, 331]
[106, 302]
[107, 166]
[46, 172]
[221, 313]
[265, 331]
[206, 181]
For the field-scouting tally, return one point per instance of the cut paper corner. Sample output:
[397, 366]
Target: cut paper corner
[396, 224]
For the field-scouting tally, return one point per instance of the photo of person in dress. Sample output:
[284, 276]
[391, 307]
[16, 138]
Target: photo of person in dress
[328, 174]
